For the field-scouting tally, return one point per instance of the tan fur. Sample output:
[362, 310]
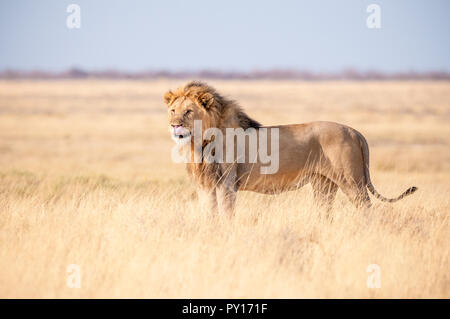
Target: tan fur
[328, 155]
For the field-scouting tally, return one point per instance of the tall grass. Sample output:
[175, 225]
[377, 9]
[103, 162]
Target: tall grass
[86, 179]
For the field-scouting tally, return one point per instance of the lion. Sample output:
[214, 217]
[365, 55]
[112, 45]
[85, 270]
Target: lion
[328, 155]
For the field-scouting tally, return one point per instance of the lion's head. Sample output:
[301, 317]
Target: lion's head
[199, 101]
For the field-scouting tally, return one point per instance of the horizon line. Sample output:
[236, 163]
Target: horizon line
[263, 74]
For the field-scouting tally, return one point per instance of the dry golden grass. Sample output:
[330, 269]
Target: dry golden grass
[86, 178]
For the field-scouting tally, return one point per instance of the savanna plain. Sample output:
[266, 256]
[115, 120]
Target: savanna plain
[86, 179]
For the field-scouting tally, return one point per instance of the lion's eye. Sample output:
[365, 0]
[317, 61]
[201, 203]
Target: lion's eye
[188, 112]
[173, 111]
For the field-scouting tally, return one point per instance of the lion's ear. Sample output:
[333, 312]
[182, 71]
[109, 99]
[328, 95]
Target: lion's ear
[206, 100]
[168, 97]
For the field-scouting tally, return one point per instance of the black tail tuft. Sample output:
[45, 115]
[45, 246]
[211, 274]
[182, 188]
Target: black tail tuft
[410, 190]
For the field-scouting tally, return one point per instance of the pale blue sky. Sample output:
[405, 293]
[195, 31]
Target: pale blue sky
[315, 35]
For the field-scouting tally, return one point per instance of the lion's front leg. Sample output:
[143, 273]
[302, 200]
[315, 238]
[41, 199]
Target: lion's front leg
[226, 198]
[226, 191]
[207, 200]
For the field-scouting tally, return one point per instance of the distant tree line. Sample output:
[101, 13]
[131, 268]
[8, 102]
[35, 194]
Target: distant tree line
[273, 74]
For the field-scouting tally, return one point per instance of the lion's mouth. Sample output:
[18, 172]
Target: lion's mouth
[182, 139]
[181, 136]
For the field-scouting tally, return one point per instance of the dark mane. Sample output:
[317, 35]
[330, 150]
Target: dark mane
[222, 102]
[246, 122]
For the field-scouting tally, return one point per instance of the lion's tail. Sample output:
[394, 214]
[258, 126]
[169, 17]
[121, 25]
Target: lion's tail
[365, 153]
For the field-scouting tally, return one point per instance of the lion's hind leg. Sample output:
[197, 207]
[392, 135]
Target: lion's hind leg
[324, 192]
[356, 192]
